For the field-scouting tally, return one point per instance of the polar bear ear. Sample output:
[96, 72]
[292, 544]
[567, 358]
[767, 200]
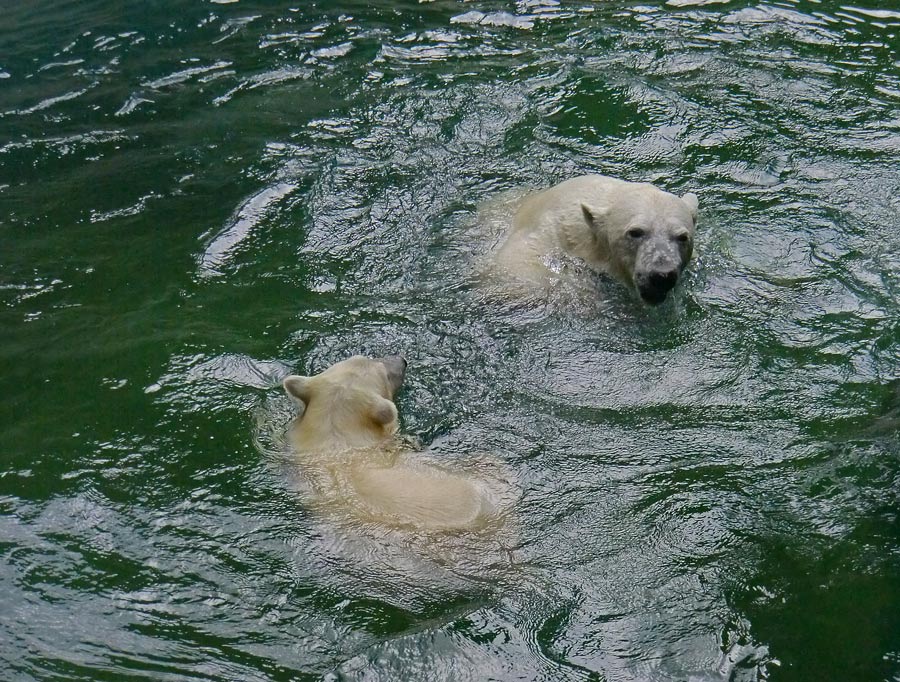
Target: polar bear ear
[692, 203]
[297, 387]
[593, 216]
[383, 412]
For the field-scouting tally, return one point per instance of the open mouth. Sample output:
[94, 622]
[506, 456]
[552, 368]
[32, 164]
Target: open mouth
[653, 296]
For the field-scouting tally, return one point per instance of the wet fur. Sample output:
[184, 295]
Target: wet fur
[347, 446]
[590, 218]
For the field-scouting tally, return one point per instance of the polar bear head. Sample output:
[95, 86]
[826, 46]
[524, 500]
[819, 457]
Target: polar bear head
[348, 405]
[648, 235]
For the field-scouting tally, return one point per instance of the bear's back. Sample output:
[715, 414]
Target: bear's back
[424, 497]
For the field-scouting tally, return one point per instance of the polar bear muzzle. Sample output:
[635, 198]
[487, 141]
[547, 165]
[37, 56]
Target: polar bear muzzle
[658, 266]
[396, 370]
[655, 286]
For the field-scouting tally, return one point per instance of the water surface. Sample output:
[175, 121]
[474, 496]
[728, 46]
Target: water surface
[199, 197]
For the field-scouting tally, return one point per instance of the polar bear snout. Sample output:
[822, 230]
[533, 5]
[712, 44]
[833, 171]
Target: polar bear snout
[663, 280]
[654, 286]
[659, 260]
[396, 370]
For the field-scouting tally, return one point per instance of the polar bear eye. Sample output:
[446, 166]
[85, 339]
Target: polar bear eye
[682, 237]
[636, 233]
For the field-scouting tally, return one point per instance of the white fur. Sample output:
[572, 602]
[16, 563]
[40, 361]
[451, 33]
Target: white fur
[589, 218]
[347, 447]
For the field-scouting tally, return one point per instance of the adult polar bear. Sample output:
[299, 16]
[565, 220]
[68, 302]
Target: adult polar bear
[633, 231]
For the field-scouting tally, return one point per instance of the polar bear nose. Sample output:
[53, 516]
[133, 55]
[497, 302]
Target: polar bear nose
[653, 286]
[663, 280]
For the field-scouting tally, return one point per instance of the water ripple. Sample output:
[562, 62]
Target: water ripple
[707, 487]
[248, 216]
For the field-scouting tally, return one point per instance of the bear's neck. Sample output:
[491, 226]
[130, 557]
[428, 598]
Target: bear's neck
[580, 241]
[324, 428]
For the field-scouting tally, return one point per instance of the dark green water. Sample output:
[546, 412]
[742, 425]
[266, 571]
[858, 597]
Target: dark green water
[197, 197]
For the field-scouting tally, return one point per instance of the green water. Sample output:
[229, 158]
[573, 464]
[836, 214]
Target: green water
[198, 197]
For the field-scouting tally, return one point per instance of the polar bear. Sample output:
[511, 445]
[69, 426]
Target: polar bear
[635, 232]
[348, 448]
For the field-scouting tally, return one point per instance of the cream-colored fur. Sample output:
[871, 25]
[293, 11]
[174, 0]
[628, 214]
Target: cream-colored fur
[633, 231]
[347, 446]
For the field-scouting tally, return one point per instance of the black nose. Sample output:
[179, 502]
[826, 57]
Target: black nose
[663, 280]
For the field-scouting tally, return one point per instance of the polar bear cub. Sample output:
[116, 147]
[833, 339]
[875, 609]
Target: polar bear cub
[347, 444]
[635, 232]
